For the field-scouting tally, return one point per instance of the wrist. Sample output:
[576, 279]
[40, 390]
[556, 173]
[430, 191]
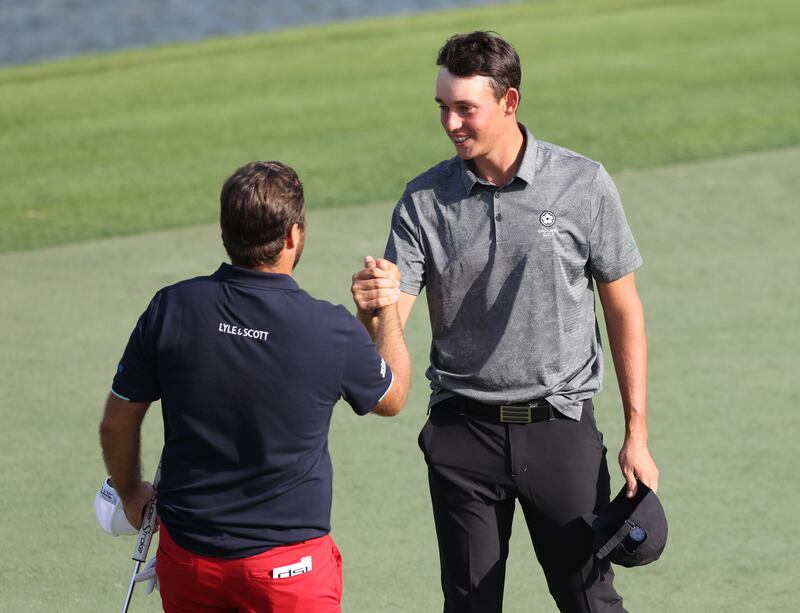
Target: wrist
[127, 490]
[636, 438]
[366, 317]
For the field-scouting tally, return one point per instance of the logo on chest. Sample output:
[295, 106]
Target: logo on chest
[548, 220]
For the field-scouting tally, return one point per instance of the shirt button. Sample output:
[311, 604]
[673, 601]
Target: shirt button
[497, 194]
[498, 217]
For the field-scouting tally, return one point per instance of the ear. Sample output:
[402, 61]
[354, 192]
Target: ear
[293, 236]
[511, 99]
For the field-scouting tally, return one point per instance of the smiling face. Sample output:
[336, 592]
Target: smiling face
[473, 118]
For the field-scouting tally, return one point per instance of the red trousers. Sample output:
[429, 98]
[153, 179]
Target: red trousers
[299, 578]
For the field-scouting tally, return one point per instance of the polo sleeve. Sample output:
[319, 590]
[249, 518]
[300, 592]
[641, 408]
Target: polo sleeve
[366, 377]
[137, 376]
[613, 252]
[405, 248]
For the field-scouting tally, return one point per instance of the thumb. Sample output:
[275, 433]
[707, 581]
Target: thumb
[630, 479]
[369, 261]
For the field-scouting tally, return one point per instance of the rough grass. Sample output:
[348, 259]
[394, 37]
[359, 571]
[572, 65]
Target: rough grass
[123, 143]
[720, 248]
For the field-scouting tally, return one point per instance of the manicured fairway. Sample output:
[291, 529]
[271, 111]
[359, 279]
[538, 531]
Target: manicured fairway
[694, 106]
[123, 143]
[719, 284]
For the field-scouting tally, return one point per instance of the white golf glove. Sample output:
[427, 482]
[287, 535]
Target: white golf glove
[109, 511]
[148, 576]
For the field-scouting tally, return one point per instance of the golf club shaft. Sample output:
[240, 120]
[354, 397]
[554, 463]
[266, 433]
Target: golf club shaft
[143, 539]
[128, 596]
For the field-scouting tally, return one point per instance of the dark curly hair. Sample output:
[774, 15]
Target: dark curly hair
[482, 53]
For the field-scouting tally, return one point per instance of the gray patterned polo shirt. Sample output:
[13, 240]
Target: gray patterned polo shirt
[509, 274]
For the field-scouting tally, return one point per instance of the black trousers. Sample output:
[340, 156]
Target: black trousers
[478, 468]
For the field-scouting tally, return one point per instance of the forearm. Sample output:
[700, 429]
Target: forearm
[388, 337]
[626, 335]
[628, 341]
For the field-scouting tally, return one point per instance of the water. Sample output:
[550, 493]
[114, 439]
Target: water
[37, 30]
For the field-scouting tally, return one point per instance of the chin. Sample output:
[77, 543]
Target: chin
[464, 155]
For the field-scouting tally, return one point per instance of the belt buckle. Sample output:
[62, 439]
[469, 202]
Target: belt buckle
[515, 414]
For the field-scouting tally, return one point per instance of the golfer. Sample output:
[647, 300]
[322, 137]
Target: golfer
[511, 238]
[248, 368]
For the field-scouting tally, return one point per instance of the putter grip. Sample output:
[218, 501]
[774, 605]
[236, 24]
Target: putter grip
[146, 531]
[148, 523]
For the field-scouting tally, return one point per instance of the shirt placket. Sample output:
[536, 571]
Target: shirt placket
[498, 202]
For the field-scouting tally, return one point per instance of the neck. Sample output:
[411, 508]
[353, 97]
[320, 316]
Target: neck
[501, 164]
[284, 266]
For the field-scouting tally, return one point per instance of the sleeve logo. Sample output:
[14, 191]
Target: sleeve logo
[383, 368]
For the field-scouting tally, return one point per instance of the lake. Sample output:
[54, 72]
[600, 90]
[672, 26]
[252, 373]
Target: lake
[38, 30]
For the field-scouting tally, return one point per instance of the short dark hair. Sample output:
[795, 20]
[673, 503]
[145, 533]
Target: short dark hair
[482, 53]
[259, 203]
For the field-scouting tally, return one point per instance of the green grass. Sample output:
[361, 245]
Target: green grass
[718, 286]
[124, 143]
[135, 141]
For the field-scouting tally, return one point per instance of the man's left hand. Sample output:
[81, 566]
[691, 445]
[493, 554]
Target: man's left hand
[637, 463]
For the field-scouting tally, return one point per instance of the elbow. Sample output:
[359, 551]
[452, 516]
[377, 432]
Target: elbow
[395, 400]
[390, 410]
[108, 429]
[114, 425]
[390, 407]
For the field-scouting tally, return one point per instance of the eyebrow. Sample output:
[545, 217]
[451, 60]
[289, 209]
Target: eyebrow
[467, 101]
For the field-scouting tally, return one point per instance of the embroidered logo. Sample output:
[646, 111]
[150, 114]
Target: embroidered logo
[547, 219]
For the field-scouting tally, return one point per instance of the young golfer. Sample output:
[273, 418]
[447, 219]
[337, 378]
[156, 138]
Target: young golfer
[511, 238]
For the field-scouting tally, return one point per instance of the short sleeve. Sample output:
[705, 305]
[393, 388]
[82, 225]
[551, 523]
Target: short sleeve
[137, 376]
[404, 247]
[366, 377]
[613, 252]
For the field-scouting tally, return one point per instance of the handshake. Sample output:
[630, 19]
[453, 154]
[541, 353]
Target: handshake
[376, 286]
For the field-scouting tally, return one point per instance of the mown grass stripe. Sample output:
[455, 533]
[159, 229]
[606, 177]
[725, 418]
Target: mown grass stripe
[128, 142]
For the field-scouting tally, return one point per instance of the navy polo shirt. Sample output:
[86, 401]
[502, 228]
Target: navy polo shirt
[248, 368]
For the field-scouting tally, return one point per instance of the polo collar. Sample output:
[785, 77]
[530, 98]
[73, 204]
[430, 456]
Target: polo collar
[526, 170]
[527, 167]
[255, 278]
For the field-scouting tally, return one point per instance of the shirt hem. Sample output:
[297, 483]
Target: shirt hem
[618, 273]
[118, 395]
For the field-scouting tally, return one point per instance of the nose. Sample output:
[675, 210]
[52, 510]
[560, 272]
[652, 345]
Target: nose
[450, 121]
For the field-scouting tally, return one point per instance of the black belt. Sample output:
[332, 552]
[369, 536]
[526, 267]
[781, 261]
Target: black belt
[518, 413]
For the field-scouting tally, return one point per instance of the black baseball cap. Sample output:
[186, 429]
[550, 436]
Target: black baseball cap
[630, 531]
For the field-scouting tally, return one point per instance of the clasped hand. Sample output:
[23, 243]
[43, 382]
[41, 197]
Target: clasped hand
[376, 285]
